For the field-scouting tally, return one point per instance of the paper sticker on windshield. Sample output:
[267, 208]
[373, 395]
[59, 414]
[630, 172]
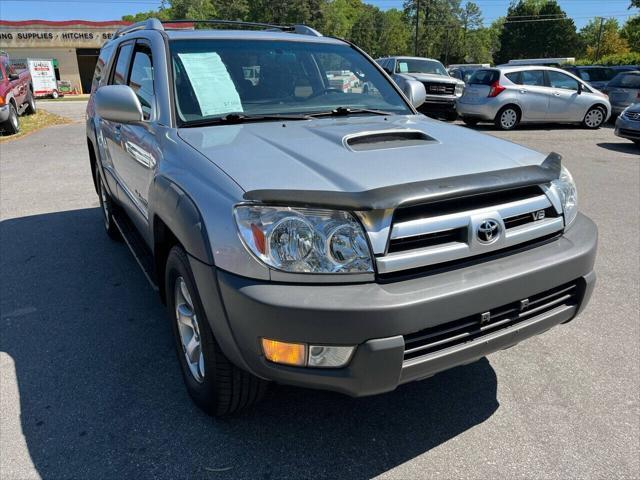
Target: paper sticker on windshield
[211, 82]
[403, 67]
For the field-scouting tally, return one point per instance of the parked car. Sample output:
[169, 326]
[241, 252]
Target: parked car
[330, 240]
[625, 68]
[16, 95]
[623, 90]
[628, 123]
[508, 96]
[442, 89]
[463, 73]
[595, 75]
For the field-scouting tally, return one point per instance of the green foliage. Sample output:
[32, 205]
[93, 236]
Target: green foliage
[631, 33]
[537, 39]
[631, 58]
[610, 39]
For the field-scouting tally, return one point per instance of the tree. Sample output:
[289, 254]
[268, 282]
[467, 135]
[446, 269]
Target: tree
[364, 31]
[631, 33]
[610, 39]
[395, 37]
[523, 38]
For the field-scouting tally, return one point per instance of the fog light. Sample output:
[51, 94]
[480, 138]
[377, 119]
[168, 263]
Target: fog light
[285, 353]
[328, 356]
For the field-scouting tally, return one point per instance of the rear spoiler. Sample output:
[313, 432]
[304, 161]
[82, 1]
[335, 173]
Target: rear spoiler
[416, 192]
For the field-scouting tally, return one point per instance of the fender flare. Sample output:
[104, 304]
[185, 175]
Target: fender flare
[179, 213]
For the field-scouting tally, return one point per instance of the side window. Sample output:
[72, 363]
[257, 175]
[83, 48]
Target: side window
[119, 76]
[534, 78]
[514, 77]
[101, 64]
[560, 80]
[141, 79]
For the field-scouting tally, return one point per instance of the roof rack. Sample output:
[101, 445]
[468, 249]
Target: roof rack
[155, 24]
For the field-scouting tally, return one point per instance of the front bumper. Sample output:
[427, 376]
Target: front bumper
[376, 316]
[4, 113]
[629, 129]
[438, 104]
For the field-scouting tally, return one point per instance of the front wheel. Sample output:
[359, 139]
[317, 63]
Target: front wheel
[106, 205]
[12, 125]
[215, 384]
[507, 118]
[594, 118]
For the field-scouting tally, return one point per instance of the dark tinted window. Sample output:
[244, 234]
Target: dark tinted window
[626, 80]
[484, 77]
[141, 79]
[122, 64]
[103, 59]
[597, 74]
[560, 80]
[514, 77]
[534, 78]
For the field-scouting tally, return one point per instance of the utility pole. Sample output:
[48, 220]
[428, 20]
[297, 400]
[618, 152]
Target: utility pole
[415, 47]
[446, 50]
[599, 38]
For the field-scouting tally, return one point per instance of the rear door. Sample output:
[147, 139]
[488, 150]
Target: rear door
[565, 104]
[533, 95]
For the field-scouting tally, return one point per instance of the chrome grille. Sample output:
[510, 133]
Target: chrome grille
[632, 115]
[467, 329]
[440, 232]
[439, 88]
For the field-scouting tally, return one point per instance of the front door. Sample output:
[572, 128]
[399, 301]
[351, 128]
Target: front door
[565, 103]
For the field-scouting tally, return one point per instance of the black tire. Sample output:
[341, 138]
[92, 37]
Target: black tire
[107, 207]
[451, 116]
[31, 104]
[637, 142]
[222, 388]
[12, 125]
[54, 94]
[507, 118]
[472, 122]
[594, 118]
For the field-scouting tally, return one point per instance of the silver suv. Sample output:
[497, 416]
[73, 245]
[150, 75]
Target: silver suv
[509, 96]
[310, 236]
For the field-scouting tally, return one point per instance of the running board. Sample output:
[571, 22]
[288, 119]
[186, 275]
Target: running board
[137, 245]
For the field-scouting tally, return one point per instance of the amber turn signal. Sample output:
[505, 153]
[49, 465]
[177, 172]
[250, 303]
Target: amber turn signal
[285, 353]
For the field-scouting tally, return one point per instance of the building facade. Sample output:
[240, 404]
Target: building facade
[73, 46]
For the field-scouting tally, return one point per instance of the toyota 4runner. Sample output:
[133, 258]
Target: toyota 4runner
[313, 236]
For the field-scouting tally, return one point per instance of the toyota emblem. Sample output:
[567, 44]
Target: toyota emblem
[488, 231]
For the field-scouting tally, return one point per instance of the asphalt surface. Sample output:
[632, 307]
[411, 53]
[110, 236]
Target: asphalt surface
[90, 386]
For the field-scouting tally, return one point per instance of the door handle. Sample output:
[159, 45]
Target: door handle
[523, 91]
[117, 132]
[557, 94]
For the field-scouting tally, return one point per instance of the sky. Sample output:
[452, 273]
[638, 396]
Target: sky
[580, 10]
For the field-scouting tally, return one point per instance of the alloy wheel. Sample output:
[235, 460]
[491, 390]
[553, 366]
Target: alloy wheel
[508, 118]
[189, 330]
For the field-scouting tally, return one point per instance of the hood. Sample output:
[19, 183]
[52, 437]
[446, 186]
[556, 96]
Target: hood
[432, 77]
[315, 155]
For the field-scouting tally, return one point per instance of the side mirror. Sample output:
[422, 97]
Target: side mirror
[414, 90]
[579, 88]
[13, 76]
[118, 103]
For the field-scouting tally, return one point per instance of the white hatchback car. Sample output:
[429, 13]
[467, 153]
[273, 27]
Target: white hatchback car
[511, 95]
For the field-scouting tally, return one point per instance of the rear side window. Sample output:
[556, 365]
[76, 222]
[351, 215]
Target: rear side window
[101, 65]
[122, 63]
[484, 77]
[141, 79]
[514, 77]
[598, 74]
[534, 78]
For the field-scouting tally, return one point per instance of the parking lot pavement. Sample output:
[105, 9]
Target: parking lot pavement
[73, 109]
[90, 386]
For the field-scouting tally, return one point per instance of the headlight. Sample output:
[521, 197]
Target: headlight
[568, 192]
[303, 240]
[459, 89]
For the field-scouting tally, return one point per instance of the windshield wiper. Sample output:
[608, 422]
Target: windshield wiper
[234, 118]
[344, 111]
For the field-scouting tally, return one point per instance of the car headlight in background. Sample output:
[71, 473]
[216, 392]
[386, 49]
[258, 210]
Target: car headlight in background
[568, 192]
[459, 89]
[303, 240]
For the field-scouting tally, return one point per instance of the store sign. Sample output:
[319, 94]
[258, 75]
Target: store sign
[43, 38]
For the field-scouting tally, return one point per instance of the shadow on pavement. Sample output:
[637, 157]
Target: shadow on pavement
[621, 147]
[101, 394]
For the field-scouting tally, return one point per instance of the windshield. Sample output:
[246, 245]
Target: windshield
[214, 78]
[626, 80]
[419, 65]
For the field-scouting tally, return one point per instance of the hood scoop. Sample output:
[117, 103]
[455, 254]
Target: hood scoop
[386, 139]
